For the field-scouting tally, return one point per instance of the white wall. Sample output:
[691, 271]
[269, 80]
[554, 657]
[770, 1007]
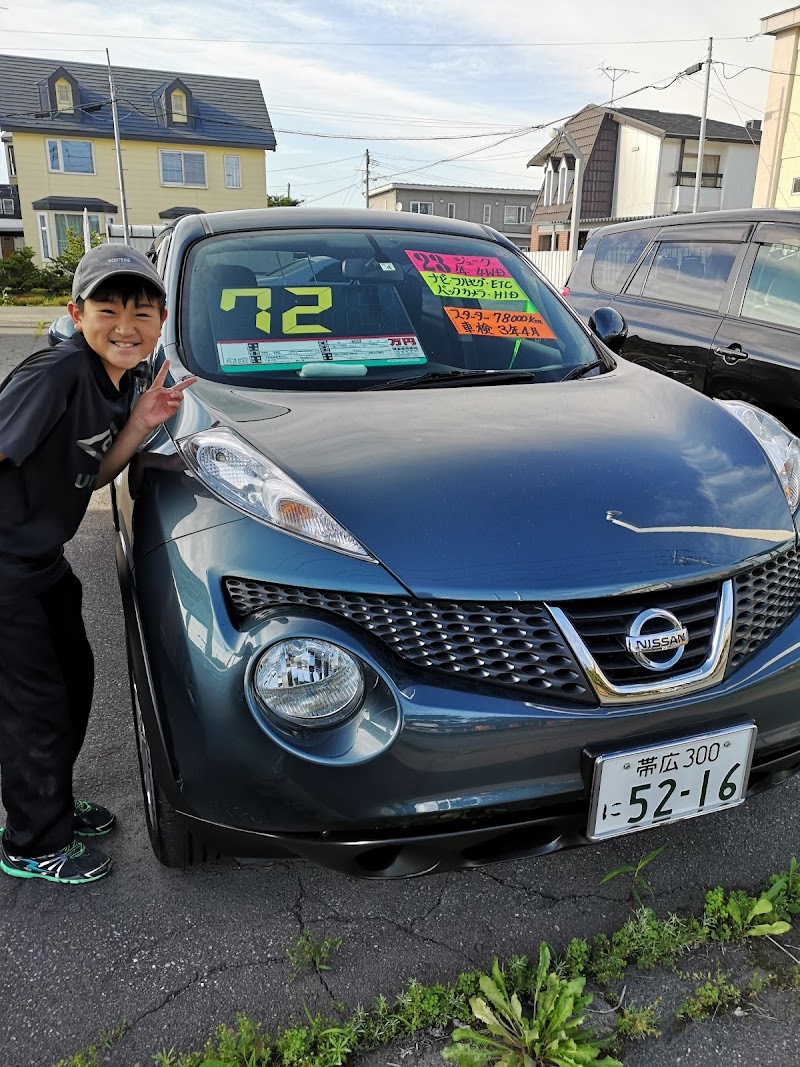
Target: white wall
[667, 177]
[638, 159]
[738, 166]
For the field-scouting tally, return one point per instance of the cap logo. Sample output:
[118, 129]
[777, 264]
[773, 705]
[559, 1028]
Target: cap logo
[120, 259]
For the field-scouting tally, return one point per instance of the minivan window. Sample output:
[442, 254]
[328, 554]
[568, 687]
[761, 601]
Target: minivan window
[773, 291]
[352, 309]
[692, 273]
[616, 256]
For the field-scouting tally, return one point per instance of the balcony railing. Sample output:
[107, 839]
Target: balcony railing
[707, 181]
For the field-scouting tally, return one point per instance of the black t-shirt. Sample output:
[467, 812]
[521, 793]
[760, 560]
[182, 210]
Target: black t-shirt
[59, 414]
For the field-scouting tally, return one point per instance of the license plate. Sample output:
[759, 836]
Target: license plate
[642, 787]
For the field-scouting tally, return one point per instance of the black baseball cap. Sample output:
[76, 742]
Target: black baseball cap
[108, 261]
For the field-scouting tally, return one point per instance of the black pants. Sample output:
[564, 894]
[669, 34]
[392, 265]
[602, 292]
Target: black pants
[46, 685]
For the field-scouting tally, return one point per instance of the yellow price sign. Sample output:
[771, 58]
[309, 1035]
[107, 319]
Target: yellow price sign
[289, 319]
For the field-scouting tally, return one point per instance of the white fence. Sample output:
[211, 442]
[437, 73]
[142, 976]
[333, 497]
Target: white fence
[555, 266]
[141, 236]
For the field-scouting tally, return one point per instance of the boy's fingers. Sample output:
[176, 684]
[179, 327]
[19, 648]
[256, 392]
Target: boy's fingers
[159, 378]
[182, 384]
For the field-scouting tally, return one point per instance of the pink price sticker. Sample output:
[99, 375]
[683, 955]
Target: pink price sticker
[472, 266]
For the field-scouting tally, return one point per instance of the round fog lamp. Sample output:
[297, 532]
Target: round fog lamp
[306, 682]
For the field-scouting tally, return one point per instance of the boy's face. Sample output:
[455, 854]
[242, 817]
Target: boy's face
[122, 335]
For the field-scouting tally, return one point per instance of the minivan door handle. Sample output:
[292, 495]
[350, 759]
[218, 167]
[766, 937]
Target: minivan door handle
[732, 354]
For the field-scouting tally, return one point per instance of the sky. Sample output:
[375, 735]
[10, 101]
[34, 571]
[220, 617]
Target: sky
[451, 92]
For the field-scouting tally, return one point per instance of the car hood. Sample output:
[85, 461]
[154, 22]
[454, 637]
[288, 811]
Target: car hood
[530, 491]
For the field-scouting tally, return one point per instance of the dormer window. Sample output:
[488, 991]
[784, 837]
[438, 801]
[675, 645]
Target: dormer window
[178, 105]
[175, 104]
[64, 100]
[60, 93]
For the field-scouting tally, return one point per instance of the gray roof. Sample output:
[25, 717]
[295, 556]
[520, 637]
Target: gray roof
[225, 111]
[676, 124]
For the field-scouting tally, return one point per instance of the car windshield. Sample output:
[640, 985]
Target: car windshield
[359, 309]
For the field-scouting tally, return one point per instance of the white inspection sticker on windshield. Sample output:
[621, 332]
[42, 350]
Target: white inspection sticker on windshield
[292, 355]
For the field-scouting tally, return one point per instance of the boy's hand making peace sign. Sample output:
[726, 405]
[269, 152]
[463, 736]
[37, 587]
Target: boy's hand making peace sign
[159, 403]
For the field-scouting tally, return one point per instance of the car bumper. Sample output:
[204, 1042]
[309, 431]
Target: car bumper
[473, 775]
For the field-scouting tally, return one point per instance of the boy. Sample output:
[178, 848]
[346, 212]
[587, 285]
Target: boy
[66, 429]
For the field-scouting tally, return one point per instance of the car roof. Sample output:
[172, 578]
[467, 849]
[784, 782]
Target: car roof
[743, 215]
[297, 218]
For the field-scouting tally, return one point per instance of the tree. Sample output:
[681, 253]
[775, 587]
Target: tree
[73, 252]
[281, 201]
[18, 273]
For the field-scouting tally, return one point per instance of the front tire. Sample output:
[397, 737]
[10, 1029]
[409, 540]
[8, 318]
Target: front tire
[172, 842]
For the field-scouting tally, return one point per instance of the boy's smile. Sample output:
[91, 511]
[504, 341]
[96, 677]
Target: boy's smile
[122, 335]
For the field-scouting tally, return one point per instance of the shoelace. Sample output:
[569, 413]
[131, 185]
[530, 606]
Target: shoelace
[82, 806]
[75, 850]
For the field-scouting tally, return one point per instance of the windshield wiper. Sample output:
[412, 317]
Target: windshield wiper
[579, 372]
[456, 377]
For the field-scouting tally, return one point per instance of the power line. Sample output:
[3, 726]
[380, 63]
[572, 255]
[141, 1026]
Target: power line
[482, 44]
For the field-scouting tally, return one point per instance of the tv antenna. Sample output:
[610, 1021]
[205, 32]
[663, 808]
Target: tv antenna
[613, 74]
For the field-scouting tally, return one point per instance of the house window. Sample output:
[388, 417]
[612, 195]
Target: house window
[451, 211]
[64, 95]
[12, 161]
[711, 179]
[514, 215]
[44, 236]
[74, 222]
[183, 168]
[70, 157]
[178, 105]
[421, 207]
[487, 213]
[8, 207]
[233, 175]
[795, 186]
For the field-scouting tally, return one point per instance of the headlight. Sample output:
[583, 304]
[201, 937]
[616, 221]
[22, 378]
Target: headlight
[781, 446]
[243, 477]
[307, 682]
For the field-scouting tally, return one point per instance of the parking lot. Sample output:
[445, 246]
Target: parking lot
[174, 953]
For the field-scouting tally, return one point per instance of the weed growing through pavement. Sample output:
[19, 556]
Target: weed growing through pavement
[639, 883]
[306, 953]
[552, 1034]
[40, 325]
[645, 941]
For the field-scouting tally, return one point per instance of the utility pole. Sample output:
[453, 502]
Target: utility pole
[577, 194]
[698, 178]
[366, 172]
[125, 231]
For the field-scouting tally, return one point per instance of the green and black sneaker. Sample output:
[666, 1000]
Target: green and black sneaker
[72, 865]
[92, 820]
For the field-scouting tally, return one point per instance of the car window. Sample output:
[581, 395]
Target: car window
[693, 273]
[773, 290]
[352, 308]
[616, 256]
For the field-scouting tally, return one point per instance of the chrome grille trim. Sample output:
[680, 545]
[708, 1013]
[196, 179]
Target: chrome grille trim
[709, 673]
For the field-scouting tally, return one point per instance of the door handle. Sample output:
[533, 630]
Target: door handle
[731, 355]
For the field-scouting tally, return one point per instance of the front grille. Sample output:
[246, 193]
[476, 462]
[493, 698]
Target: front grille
[766, 598]
[516, 645]
[604, 624]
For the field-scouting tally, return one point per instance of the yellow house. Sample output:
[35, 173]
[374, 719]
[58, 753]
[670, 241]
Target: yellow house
[189, 143]
[778, 176]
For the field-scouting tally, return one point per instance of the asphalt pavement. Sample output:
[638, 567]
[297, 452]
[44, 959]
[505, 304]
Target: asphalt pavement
[174, 953]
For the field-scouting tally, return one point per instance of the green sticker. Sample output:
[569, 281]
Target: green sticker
[465, 287]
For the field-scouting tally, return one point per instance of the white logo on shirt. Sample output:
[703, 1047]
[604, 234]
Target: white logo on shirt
[98, 445]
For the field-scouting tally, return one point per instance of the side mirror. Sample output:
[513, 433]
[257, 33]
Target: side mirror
[610, 327]
[62, 329]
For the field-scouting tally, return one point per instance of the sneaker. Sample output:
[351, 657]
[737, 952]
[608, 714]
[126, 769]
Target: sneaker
[92, 820]
[72, 865]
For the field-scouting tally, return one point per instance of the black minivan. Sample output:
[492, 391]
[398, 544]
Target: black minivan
[712, 300]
